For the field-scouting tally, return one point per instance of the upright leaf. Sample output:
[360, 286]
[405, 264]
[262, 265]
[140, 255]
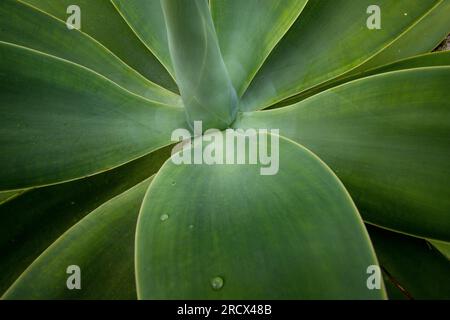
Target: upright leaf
[416, 270]
[205, 87]
[146, 19]
[101, 20]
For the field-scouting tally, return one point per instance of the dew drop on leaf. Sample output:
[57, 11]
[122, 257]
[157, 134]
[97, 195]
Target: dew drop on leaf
[217, 283]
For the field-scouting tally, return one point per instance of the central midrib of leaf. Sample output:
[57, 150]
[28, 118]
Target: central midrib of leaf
[205, 86]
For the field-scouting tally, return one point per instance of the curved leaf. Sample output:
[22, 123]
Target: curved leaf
[294, 235]
[413, 266]
[329, 39]
[59, 121]
[431, 29]
[205, 87]
[101, 245]
[248, 31]
[103, 22]
[388, 138]
[30, 223]
[433, 59]
[146, 19]
[18, 25]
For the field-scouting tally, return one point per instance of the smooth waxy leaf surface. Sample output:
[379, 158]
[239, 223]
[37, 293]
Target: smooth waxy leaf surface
[416, 269]
[60, 121]
[294, 235]
[206, 89]
[103, 22]
[31, 222]
[423, 37]
[101, 245]
[387, 137]
[248, 31]
[308, 55]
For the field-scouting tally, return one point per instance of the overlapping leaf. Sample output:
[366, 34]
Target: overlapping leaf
[146, 19]
[101, 245]
[248, 31]
[60, 121]
[330, 38]
[18, 25]
[29, 224]
[101, 20]
[388, 138]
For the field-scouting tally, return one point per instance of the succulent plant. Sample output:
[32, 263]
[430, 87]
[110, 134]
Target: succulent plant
[350, 90]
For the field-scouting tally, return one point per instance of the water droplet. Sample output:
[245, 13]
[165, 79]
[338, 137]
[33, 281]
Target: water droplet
[217, 283]
[191, 226]
[405, 13]
[164, 217]
[174, 183]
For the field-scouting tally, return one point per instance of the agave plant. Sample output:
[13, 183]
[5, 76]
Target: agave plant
[87, 182]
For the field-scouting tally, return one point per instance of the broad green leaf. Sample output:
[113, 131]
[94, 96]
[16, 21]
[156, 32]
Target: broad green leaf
[104, 23]
[248, 31]
[101, 245]
[18, 25]
[146, 19]
[443, 247]
[30, 223]
[433, 59]
[60, 121]
[387, 137]
[415, 269]
[423, 37]
[329, 39]
[293, 235]
[205, 86]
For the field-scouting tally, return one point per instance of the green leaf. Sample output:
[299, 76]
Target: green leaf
[329, 39]
[18, 25]
[414, 268]
[101, 245]
[387, 138]
[248, 31]
[423, 37]
[294, 235]
[434, 59]
[443, 247]
[103, 22]
[30, 223]
[205, 86]
[59, 121]
[146, 19]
